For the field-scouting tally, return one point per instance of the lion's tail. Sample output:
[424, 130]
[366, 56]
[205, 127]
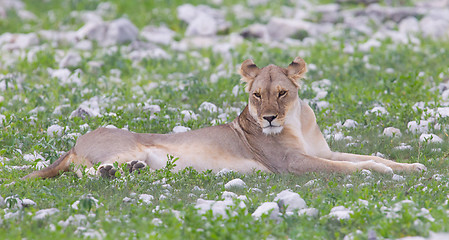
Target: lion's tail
[60, 165]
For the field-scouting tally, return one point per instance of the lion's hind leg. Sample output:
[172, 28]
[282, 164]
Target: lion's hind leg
[109, 171]
[136, 166]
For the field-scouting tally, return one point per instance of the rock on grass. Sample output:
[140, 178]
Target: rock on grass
[235, 183]
[341, 213]
[55, 130]
[289, 200]
[41, 214]
[266, 208]
[217, 207]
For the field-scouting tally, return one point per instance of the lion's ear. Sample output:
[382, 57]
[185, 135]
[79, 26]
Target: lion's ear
[296, 70]
[249, 72]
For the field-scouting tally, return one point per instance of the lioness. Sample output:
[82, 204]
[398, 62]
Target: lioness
[276, 132]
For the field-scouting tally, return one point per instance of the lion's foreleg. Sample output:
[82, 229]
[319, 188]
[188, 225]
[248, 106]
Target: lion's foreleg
[337, 156]
[299, 163]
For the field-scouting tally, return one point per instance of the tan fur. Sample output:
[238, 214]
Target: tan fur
[276, 132]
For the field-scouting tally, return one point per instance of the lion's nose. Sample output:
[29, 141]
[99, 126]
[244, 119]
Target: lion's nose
[269, 118]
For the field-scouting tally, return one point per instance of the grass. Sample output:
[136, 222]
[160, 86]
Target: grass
[184, 85]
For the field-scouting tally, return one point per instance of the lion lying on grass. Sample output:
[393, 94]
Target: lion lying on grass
[276, 132]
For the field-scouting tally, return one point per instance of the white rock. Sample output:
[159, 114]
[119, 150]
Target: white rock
[291, 200]
[41, 214]
[338, 136]
[157, 222]
[146, 198]
[15, 202]
[186, 12]
[403, 146]
[312, 212]
[55, 130]
[438, 236]
[430, 138]
[257, 31]
[398, 177]
[235, 183]
[61, 74]
[207, 106]
[28, 202]
[76, 220]
[93, 31]
[243, 198]
[391, 131]
[86, 197]
[2, 119]
[18, 41]
[181, 129]
[223, 172]
[32, 157]
[378, 111]
[349, 123]
[202, 25]
[434, 27]
[281, 28]
[161, 35]
[84, 45]
[72, 59]
[2, 201]
[443, 112]
[235, 91]
[26, 15]
[422, 127]
[109, 33]
[368, 45]
[310, 183]
[202, 19]
[341, 213]
[409, 25]
[121, 31]
[265, 209]
[228, 195]
[188, 115]
[152, 108]
[217, 207]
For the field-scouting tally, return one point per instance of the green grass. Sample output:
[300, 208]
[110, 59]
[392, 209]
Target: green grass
[354, 90]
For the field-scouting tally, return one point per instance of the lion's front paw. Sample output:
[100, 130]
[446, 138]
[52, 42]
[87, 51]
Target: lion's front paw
[418, 167]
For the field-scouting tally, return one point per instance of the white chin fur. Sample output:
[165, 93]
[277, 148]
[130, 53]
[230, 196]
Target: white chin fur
[272, 130]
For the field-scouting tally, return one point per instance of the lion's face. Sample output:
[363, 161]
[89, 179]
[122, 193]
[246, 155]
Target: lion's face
[273, 91]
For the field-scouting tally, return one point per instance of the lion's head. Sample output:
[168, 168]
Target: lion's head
[273, 91]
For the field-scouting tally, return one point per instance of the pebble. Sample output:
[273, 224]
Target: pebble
[44, 213]
[207, 106]
[55, 131]
[181, 129]
[265, 209]
[146, 198]
[392, 132]
[349, 123]
[218, 207]
[72, 59]
[340, 212]
[290, 200]
[430, 138]
[235, 183]
[160, 35]
[312, 212]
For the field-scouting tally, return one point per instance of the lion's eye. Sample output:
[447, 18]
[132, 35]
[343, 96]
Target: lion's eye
[257, 95]
[282, 93]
